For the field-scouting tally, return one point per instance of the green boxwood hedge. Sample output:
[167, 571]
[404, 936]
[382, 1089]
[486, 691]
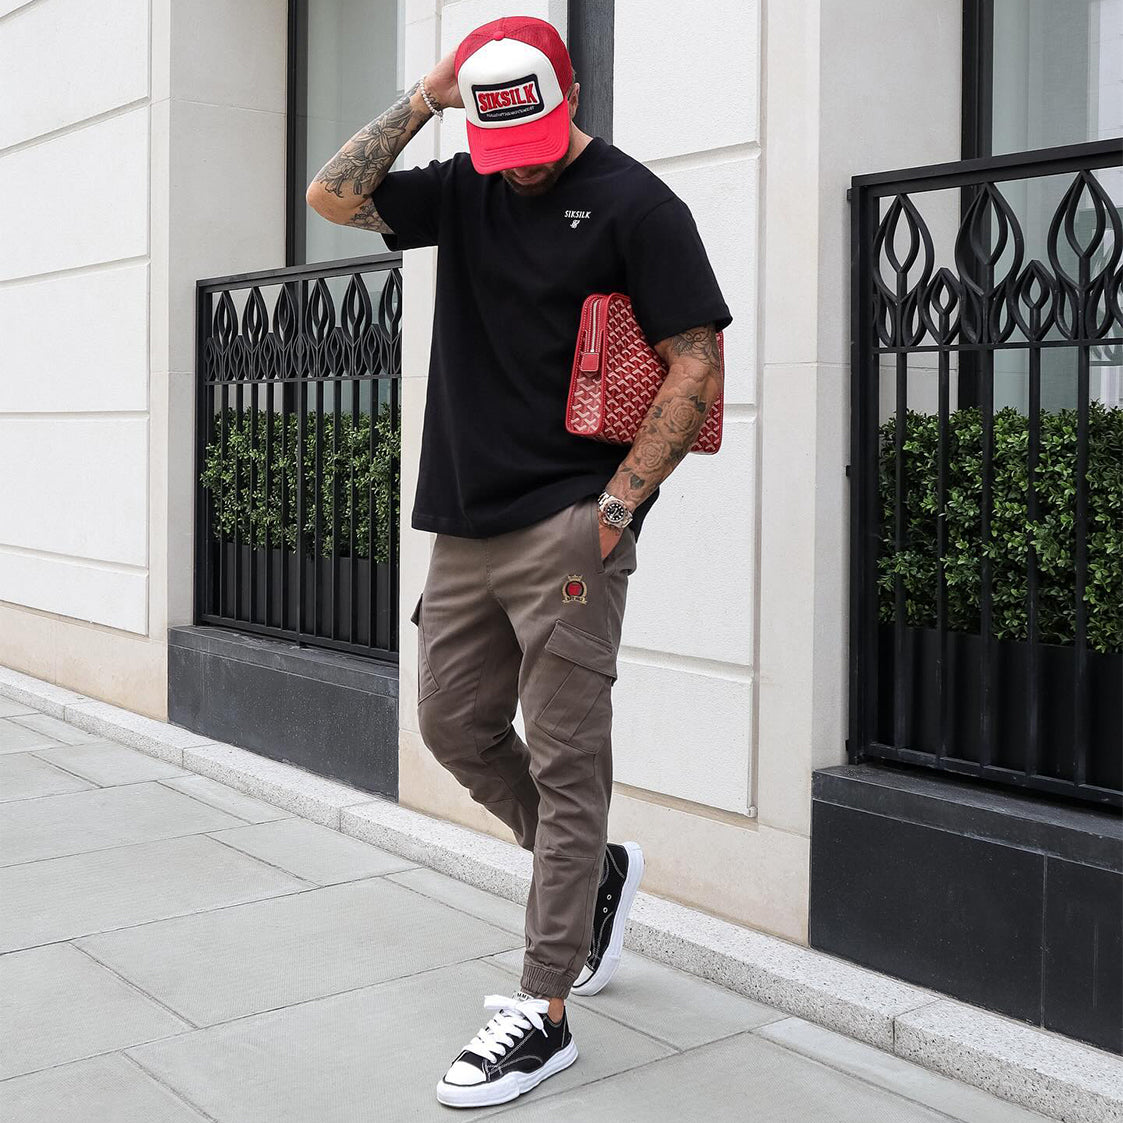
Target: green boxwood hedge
[346, 457]
[1051, 535]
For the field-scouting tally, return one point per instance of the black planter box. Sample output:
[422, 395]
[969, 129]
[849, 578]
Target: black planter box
[1011, 706]
[1008, 900]
[330, 712]
[337, 593]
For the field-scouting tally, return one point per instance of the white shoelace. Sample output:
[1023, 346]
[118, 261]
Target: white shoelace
[515, 1018]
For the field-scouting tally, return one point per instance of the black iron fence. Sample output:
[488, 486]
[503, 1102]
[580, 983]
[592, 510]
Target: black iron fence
[298, 448]
[986, 596]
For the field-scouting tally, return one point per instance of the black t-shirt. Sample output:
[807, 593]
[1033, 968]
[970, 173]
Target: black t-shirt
[512, 274]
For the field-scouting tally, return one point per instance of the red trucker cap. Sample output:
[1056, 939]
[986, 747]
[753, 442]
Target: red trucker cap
[513, 75]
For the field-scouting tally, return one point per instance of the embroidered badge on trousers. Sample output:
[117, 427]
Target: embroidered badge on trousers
[574, 589]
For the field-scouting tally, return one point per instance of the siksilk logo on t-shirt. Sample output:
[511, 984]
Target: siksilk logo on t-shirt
[509, 100]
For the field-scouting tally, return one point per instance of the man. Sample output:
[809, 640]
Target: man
[535, 528]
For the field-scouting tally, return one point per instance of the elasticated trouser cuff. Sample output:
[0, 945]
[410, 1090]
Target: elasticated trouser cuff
[546, 982]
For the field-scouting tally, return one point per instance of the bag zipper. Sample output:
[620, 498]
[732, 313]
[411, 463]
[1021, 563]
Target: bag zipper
[590, 356]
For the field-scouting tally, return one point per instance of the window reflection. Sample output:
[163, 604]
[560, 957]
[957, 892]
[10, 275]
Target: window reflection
[349, 69]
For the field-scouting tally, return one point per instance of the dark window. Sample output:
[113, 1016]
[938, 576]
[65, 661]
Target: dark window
[345, 68]
[1040, 73]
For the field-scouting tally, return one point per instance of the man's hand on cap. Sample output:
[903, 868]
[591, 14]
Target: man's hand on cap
[441, 83]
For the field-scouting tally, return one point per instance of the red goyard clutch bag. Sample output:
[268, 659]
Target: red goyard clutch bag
[616, 375]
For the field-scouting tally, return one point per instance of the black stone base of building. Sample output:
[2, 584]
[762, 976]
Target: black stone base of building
[329, 712]
[1006, 901]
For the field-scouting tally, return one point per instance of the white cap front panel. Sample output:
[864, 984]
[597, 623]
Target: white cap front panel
[507, 82]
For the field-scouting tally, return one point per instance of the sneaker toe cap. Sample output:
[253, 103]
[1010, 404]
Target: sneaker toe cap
[463, 1074]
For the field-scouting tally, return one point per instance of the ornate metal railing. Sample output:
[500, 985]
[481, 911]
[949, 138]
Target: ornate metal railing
[986, 600]
[297, 446]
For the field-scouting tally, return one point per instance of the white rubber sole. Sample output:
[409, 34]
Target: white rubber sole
[506, 1088]
[597, 981]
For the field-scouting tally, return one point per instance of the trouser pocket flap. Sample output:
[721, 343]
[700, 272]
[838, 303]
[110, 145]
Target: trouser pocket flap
[578, 646]
[416, 613]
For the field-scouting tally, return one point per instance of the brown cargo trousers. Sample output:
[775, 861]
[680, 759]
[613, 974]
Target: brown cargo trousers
[532, 616]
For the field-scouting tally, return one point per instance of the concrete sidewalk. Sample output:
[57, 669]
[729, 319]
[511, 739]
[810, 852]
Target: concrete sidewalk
[172, 949]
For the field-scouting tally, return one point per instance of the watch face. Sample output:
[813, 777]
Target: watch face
[616, 512]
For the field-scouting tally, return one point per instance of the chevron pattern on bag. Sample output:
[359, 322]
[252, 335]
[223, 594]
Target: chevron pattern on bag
[617, 374]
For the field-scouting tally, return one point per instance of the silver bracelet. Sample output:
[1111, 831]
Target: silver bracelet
[430, 104]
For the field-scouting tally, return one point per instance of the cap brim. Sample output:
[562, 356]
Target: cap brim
[535, 142]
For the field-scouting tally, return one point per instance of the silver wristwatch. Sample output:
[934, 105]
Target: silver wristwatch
[614, 512]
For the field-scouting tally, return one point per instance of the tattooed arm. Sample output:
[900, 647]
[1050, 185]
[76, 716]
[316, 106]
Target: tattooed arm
[694, 380]
[340, 190]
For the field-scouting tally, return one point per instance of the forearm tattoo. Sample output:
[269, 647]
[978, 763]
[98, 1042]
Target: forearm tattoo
[362, 163]
[699, 343]
[676, 415]
[368, 218]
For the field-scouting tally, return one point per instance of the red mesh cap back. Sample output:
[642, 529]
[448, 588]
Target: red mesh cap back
[535, 32]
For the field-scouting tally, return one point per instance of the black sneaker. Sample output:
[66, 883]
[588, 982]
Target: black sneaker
[623, 869]
[513, 1053]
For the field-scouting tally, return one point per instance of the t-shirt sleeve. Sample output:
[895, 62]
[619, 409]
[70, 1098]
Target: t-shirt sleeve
[410, 203]
[670, 280]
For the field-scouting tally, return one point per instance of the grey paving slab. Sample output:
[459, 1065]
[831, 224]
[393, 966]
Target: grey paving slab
[228, 963]
[675, 1007]
[972, 1105]
[106, 1089]
[61, 898]
[57, 1005]
[16, 739]
[226, 798]
[375, 1053]
[77, 822]
[311, 851]
[54, 728]
[736, 1079]
[25, 776]
[466, 898]
[108, 764]
[14, 709]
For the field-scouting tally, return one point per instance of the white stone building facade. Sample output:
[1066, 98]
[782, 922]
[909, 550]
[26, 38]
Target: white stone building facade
[143, 146]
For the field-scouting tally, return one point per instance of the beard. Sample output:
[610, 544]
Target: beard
[548, 177]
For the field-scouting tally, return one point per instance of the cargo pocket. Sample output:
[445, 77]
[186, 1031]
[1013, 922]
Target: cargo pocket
[426, 683]
[587, 668]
